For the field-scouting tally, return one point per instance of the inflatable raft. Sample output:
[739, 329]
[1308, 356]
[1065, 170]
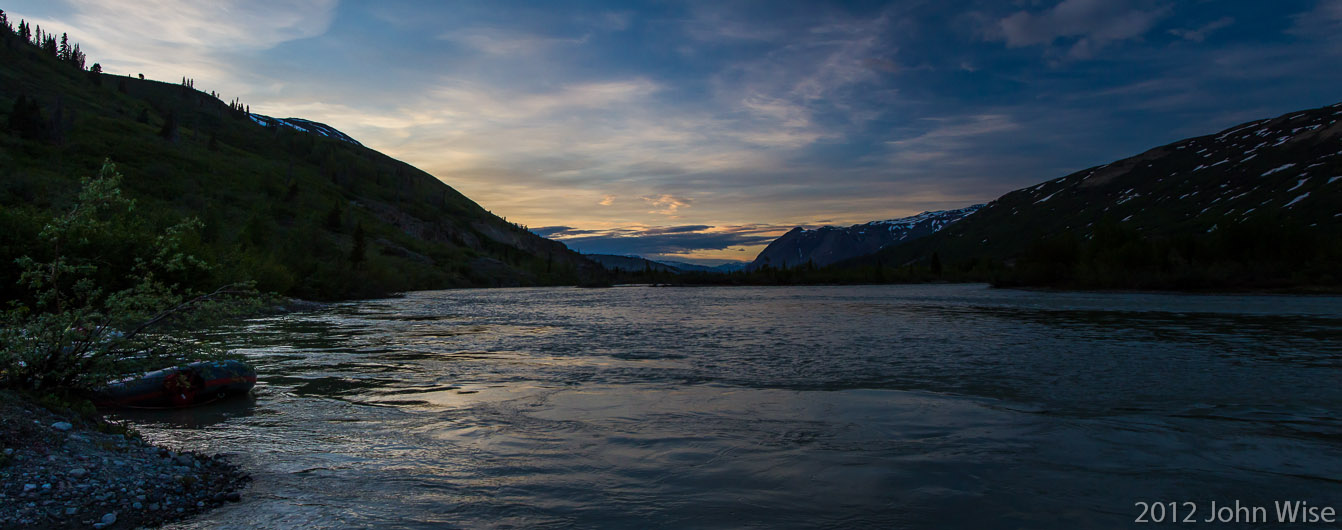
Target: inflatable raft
[179, 386]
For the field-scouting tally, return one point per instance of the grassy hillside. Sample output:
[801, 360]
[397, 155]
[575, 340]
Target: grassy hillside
[300, 213]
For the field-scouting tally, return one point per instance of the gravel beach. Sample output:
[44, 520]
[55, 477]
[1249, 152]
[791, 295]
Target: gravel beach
[59, 471]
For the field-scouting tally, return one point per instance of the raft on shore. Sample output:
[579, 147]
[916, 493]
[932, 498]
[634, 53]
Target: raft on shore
[180, 386]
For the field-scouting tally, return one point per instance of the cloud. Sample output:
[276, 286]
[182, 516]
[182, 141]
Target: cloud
[168, 39]
[950, 139]
[607, 200]
[1092, 24]
[665, 240]
[1200, 34]
[667, 204]
[1323, 21]
[495, 41]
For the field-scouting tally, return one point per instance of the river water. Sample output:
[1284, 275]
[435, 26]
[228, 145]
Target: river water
[773, 407]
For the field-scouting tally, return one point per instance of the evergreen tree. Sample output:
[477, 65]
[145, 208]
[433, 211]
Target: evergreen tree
[936, 264]
[77, 57]
[64, 52]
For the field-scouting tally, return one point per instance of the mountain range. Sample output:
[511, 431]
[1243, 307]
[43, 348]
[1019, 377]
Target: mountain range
[1287, 168]
[303, 209]
[828, 244]
[1257, 204]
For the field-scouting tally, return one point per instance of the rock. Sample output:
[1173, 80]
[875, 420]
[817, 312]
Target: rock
[29, 487]
[71, 510]
[78, 472]
[153, 506]
[233, 496]
[137, 506]
[109, 518]
[62, 426]
[9, 451]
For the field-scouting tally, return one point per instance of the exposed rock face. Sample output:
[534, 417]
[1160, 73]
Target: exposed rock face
[828, 244]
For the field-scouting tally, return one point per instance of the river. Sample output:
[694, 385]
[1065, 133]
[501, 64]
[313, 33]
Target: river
[775, 407]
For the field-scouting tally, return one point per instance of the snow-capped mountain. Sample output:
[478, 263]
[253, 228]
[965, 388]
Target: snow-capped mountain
[302, 125]
[1264, 173]
[828, 244]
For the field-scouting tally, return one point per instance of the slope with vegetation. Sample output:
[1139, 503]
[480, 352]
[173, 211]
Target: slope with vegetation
[1258, 205]
[614, 263]
[300, 211]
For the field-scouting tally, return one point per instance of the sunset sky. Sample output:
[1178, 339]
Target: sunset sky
[705, 129]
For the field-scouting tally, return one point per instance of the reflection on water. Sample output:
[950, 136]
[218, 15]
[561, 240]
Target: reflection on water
[890, 406]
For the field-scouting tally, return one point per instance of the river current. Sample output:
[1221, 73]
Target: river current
[938, 406]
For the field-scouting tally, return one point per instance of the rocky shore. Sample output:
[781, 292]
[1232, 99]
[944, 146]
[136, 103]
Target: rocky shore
[61, 471]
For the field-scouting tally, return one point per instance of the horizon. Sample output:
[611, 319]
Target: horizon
[698, 132]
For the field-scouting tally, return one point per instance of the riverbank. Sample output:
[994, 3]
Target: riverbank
[61, 470]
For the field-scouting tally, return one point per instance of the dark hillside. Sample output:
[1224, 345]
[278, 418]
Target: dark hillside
[304, 213]
[1256, 205]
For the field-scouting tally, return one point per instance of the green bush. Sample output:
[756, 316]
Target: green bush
[100, 293]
